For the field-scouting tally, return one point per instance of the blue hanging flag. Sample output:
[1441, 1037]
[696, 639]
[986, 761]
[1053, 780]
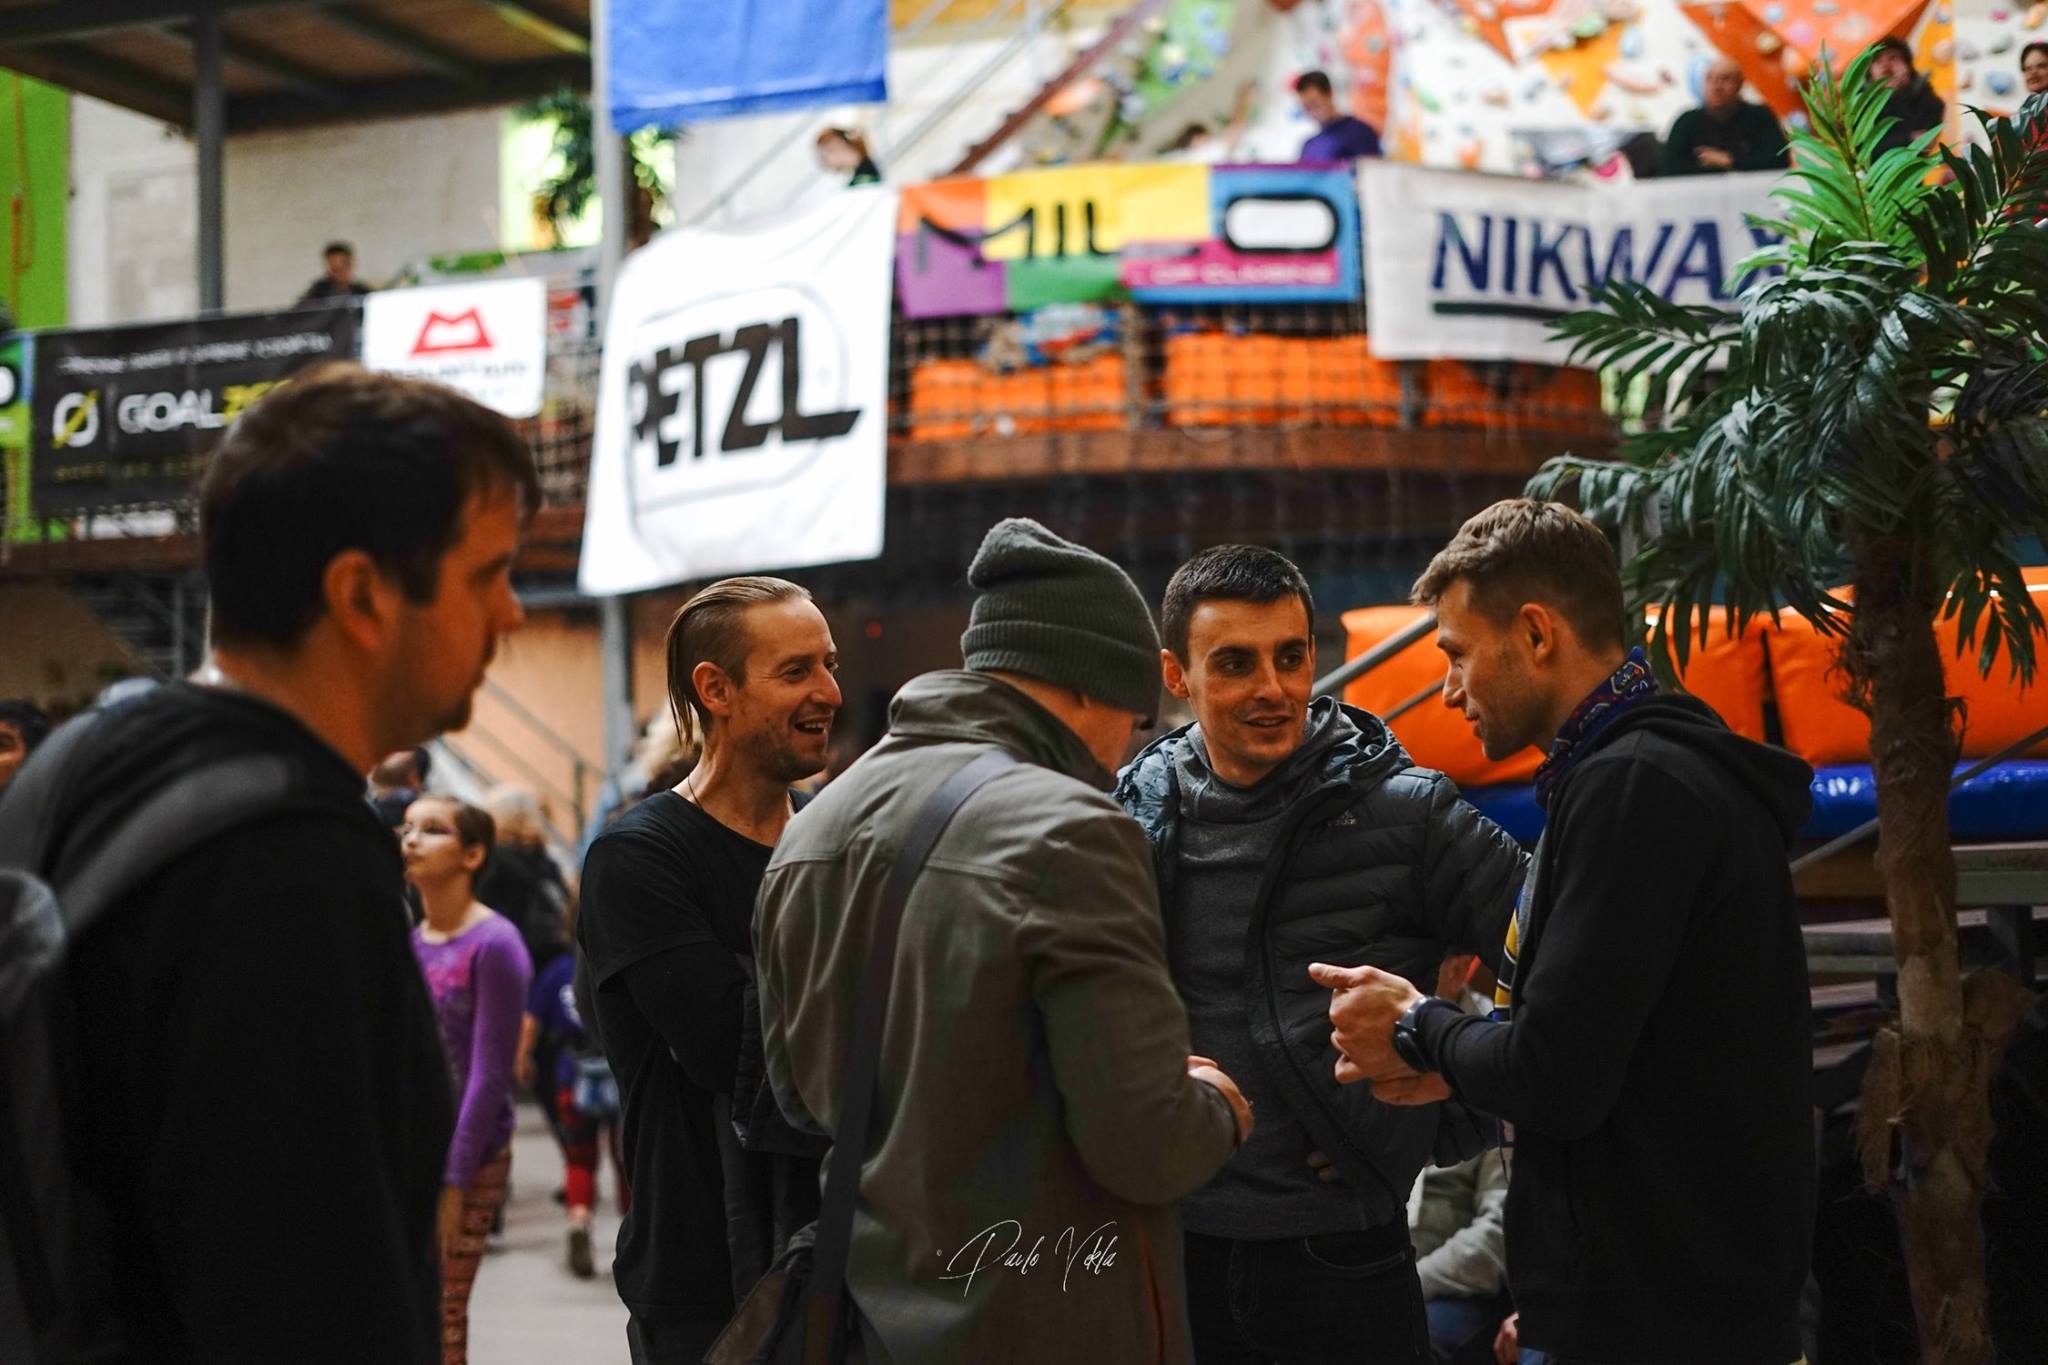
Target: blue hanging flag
[685, 61]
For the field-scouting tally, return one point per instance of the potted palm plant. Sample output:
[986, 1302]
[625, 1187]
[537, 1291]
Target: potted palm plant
[1874, 413]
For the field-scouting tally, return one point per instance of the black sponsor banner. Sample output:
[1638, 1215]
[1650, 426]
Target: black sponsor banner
[127, 415]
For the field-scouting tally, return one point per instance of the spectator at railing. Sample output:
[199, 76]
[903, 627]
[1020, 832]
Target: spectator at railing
[1203, 145]
[1339, 136]
[339, 281]
[844, 150]
[1726, 132]
[1913, 104]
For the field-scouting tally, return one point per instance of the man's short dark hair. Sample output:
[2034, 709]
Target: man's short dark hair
[28, 721]
[343, 459]
[2030, 49]
[1228, 573]
[1891, 42]
[1521, 551]
[1312, 80]
[343, 247]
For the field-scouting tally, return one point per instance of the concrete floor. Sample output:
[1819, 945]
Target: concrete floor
[527, 1309]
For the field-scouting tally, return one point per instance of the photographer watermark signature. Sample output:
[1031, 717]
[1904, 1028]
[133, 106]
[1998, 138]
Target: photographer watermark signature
[1000, 1246]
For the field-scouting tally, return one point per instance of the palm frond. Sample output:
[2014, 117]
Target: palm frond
[1810, 418]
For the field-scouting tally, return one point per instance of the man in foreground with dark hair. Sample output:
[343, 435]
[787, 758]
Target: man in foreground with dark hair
[1287, 830]
[1652, 1045]
[1338, 136]
[259, 1109]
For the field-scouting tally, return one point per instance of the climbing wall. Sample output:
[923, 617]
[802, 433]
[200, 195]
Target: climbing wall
[1517, 86]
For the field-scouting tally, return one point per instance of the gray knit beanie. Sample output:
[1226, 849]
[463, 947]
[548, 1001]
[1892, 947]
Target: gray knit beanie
[1059, 612]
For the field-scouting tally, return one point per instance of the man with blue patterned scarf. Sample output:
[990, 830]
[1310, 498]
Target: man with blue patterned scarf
[1653, 1047]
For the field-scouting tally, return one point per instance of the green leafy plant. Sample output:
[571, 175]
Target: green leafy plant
[566, 193]
[1874, 413]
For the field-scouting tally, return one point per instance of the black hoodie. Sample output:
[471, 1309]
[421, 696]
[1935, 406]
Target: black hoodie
[1658, 1066]
[262, 1104]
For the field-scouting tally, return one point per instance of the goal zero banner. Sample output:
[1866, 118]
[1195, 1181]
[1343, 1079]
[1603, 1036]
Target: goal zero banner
[125, 415]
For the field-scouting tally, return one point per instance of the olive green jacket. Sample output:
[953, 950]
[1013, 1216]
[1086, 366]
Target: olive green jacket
[1035, 1122]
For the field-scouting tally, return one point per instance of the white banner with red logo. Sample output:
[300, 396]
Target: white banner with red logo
[487, 339]
[742, 419]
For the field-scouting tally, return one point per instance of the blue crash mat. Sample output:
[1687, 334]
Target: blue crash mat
[2008, 802]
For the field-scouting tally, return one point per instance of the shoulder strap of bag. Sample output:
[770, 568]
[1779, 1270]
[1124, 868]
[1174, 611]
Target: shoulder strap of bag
[823, 1318]
[40, 1212]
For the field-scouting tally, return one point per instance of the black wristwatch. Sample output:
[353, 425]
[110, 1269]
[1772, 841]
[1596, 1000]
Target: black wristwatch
[1407, 1038]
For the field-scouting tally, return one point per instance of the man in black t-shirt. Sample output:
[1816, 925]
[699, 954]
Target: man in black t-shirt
[262, 1109]
[339, 280]
[667, 906]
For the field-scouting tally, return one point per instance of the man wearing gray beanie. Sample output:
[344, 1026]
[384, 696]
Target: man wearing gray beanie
[1037, 1113]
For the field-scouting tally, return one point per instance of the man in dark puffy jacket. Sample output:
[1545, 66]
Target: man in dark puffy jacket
[1286, 831]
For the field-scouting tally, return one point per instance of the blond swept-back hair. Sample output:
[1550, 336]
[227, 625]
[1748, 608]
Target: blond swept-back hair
[712, 626]
[521, 818]
[1521, 550]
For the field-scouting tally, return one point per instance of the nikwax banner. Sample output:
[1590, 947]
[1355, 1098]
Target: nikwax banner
[487, 339]
[672, 64]
[741, 417]
[1476, 267]
[129, 414]
[1164, 233]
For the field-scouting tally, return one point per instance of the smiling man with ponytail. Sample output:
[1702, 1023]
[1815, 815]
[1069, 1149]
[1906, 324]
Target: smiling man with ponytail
[668, 900]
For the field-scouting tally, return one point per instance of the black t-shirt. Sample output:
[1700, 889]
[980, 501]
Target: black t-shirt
[263, 1104]
[324, 289]
[668, 906]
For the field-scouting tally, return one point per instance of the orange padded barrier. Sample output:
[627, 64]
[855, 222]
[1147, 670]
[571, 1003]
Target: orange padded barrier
[951, 400]
[1822, 728]
[1511, 394]
[1730, 673]
[1213, 379]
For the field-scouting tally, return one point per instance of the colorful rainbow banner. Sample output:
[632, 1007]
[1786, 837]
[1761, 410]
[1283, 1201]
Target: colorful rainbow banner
[1162, 233]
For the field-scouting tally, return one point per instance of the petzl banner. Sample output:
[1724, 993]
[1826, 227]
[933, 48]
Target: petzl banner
[742, 419]
[683, 63]
[1475, 267]
[129, 414]
[488, 339]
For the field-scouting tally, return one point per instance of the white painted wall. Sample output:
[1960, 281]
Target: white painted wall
[133, 230]
[398, 189]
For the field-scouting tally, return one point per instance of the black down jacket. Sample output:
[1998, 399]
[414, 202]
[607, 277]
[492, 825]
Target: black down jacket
[1381, 863]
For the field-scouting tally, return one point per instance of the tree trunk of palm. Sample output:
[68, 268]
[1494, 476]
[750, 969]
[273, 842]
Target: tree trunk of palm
[1925, 1129]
